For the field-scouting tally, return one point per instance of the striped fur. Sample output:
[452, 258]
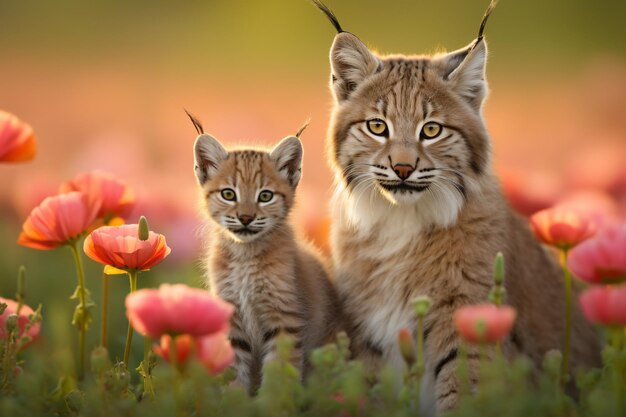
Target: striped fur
[416, 216]
[276, 282]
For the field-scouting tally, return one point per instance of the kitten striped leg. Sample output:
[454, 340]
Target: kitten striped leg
[244, 358]
[269, 345]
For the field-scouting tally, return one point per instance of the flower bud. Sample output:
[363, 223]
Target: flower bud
[144, 230]
[498, 269]
[421, 305]
[11, 322]
[552, 362]
[100, 361]
[407, 346]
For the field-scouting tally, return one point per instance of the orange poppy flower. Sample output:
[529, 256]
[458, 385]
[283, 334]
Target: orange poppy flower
[57, 221]
[17, 140]
[115, 198]
[561, 227]
[121, 248]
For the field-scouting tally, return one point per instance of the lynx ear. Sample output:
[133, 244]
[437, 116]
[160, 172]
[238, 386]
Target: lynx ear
[208, 154]
[351, 62]
[464, 70]
[288, 158]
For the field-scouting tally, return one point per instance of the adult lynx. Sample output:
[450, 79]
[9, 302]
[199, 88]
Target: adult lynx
[418, 210]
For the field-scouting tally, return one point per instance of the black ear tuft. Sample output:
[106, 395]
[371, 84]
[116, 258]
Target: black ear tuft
[302, 129]
[329, 14]
[481, 29]
[196, 122]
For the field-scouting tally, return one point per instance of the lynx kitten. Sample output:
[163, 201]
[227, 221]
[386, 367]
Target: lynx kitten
[276, 282]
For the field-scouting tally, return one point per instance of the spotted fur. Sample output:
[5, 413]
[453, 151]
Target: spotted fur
[276, 282]
[419, 216]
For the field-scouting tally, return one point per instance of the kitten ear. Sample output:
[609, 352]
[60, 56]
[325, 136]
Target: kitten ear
[288, 158]
[208, 153]
[351, 62]
[464, 70]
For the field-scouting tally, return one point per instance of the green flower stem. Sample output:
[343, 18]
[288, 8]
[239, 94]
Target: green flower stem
[419, 370]
[618, 383]
[132, 274]
[174, 362]
[148, 388]
[568, 316]
[82, 306]
[173, 354]
[105, 310]
[19, 295]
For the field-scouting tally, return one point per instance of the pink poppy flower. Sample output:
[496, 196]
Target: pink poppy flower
[484, 322]
[177, 309]
[561, 227]
[213, 351]
[115, 198]
[601, 259]
[120, 247]
[22, 319]
[57, 221]
[605, 305]
[17, 140]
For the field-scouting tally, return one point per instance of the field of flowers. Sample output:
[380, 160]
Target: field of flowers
[184, 368]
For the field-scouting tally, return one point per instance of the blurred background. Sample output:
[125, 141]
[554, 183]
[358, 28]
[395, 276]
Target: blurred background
[104, 85]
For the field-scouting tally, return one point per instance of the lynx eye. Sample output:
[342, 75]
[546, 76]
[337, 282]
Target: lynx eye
[377, 127]
[266, 196]
[431, 130]
[228, 194]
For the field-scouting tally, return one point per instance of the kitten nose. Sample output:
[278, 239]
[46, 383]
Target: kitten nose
[245, 219]
[403, 171]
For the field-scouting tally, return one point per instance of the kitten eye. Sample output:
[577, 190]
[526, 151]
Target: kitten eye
[431, 130]
[377, 126]
[228, 194]
[265, 196]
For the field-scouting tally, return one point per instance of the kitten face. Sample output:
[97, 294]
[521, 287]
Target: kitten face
[409, 128]
[247, 192]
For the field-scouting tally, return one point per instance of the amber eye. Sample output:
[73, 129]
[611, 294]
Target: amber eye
[265, 196]
[377, 127]
[228, 194]
[430, 130]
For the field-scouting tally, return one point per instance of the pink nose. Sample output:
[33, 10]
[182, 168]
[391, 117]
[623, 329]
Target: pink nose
[403, 171]
[245, 219]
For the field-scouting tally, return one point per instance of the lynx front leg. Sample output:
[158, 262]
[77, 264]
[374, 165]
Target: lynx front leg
[443, 345]
[244, 358]
[270, 352]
